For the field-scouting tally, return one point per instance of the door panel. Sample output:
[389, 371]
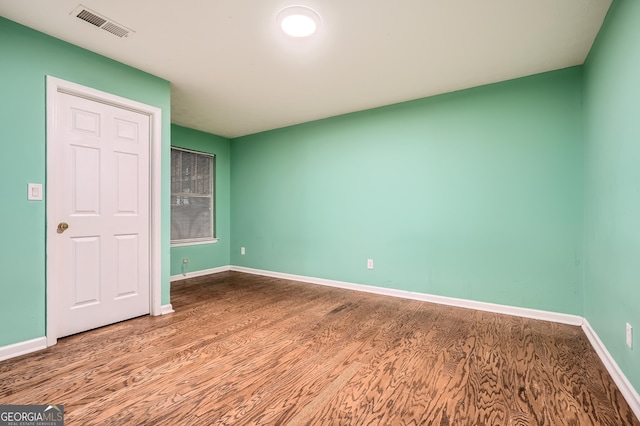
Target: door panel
[86, 194]
[102, 180]
[127, 267]
[85, 276]
[127, 182]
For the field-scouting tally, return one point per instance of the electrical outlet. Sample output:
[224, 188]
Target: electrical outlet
[369, 263]
[242, 251]
[629, 336]
[185, 266]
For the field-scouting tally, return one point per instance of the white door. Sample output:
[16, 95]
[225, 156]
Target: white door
[100, 251]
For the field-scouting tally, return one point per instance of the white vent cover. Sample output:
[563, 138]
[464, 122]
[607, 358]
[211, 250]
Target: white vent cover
[102, 22]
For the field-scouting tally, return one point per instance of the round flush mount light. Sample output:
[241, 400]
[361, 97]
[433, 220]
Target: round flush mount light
[298, 21]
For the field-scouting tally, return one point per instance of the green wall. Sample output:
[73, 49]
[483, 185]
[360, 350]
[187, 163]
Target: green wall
[612, 201]
[26, 58]
[476, 194]
[207, 256]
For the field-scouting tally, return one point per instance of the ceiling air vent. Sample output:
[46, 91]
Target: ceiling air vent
[101, 22]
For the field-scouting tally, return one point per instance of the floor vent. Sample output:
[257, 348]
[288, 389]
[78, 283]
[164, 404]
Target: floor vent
[101, 22]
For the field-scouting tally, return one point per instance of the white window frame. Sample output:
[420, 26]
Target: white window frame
[204, 240]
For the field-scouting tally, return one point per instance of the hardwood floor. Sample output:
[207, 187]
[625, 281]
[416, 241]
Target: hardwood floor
[252, 350]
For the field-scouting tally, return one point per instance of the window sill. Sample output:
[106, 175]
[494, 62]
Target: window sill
[195, 243]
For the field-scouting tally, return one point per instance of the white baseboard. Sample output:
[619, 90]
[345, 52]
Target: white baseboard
[166, 309]
[626, 388]
[22, 348]
[441, 300]
[200, 273]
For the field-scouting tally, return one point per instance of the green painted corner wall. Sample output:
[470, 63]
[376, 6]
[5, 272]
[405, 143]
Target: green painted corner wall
[207, 256]
[512, 193]
[612, 178]
[27, 57]
[476, 194]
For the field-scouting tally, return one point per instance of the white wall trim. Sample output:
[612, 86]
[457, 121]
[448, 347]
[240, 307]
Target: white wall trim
[196, 243]
[22, 348]
[442, 300]
[166, 309]
[55, 86]
[626, 388]
[200, 273]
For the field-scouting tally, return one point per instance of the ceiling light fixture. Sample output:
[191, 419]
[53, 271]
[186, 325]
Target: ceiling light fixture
[298, 21]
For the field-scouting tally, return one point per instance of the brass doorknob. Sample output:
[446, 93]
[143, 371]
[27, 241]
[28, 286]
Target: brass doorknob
[62, 226]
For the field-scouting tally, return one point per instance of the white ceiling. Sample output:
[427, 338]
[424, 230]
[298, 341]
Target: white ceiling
[233, 73]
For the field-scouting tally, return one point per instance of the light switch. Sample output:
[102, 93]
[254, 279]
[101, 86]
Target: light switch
[34, 191]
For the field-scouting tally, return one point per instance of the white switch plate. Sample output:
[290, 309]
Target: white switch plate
[629, 336]
[369, 263]
[34, 191]
[242, 251]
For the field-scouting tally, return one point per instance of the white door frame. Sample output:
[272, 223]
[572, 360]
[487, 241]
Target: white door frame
[54, 87]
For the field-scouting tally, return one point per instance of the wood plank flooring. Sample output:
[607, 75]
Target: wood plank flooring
[250, 350]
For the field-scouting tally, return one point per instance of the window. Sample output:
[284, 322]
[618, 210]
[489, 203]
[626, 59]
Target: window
[192, 207]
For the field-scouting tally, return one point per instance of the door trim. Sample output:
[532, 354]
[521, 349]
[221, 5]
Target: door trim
[54, 87]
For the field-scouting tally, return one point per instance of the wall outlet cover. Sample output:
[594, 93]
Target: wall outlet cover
[34, 191]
